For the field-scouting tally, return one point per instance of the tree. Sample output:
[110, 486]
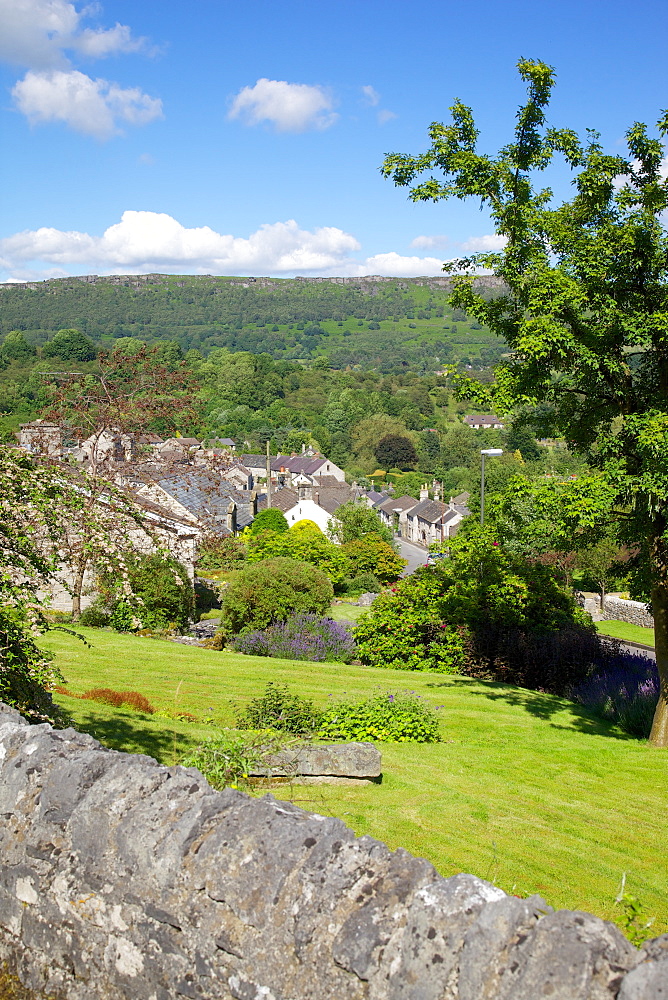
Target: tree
[70, 345]
[32, 502]
[600, 562]
[303, 542]
[584, 306]
[354, 520]
[127, 397]
[371, 554]
[270, 519]
[394, 451]
[16, 347]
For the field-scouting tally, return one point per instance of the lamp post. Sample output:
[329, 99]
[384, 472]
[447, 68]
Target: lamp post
[484, 453]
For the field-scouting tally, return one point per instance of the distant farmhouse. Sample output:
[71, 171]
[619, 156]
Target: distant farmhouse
[483, 421]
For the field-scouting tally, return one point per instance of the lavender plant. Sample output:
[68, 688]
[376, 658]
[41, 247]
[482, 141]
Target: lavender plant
[624, 691]
[303, 637]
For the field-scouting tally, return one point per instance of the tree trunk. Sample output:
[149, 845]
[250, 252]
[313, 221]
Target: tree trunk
[77, 587]
[659, 734]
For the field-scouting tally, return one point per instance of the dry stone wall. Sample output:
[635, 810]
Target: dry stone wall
[633, 612]
[120, 878]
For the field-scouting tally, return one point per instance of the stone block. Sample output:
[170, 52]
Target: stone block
[348, 760]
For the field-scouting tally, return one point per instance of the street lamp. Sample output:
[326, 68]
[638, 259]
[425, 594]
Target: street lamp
[484, 453]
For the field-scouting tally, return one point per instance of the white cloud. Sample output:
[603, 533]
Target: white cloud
[489, 243]
[36, 33]
[107, 42]
[149, 241]
[94, 107]
[39, 34]
[371, 95]
[289, 107]
[429, 242]
[385, 116]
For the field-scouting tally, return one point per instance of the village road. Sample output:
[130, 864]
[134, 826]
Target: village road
[415, 555]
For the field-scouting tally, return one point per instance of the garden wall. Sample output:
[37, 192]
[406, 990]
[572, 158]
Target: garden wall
[120, 878]
[633, 612]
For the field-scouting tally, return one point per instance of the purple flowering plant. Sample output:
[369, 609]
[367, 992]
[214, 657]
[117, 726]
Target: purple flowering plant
[625, 691]
[302, 637]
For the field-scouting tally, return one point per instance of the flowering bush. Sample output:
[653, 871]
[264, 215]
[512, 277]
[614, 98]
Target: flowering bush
[403, 630]
[304, 637]
[389, 717]
[481, 611]
[625, 691]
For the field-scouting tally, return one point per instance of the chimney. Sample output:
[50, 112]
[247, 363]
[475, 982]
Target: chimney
[424, 492]
[316, 497]
[232, 517]
[303, 448]
[253, 502]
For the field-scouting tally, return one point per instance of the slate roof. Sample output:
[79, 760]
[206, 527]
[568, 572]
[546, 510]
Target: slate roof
[300, 463]
[284, 499]
[392, 503]
[207, 497]
[461, 498]
[428, 510]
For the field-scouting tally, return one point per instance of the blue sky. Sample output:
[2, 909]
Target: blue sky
[227, 138]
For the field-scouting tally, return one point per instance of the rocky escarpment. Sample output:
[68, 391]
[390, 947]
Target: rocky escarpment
[122, 878]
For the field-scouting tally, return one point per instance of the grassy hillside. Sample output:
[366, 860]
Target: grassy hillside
[526, 789]
[384, 324]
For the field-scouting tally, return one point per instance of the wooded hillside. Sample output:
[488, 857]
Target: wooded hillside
[389, 324]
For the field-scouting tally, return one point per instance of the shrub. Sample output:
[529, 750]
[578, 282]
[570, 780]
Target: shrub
[96, 615]
[371, 554]
[270, 519]
[280, 710]
[624, 691]
[120, 699]
[548, 661]
[216, 552]
[484, 612]
[228, 758]
[402, 629]
[272, 591]
[305, 542]
[386, 716]
[304, 637]
[365, 583]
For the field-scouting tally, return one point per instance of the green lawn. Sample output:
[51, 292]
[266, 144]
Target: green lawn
[346, 612]
[526, 789]
[630, 633]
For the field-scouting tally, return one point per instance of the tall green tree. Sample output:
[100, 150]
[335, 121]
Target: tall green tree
[70, 345]
[584, 308]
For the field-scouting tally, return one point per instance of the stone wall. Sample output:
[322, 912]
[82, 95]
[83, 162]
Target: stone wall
[633, 612]
[120, 878]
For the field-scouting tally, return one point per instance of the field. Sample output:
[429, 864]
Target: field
[526, 789]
